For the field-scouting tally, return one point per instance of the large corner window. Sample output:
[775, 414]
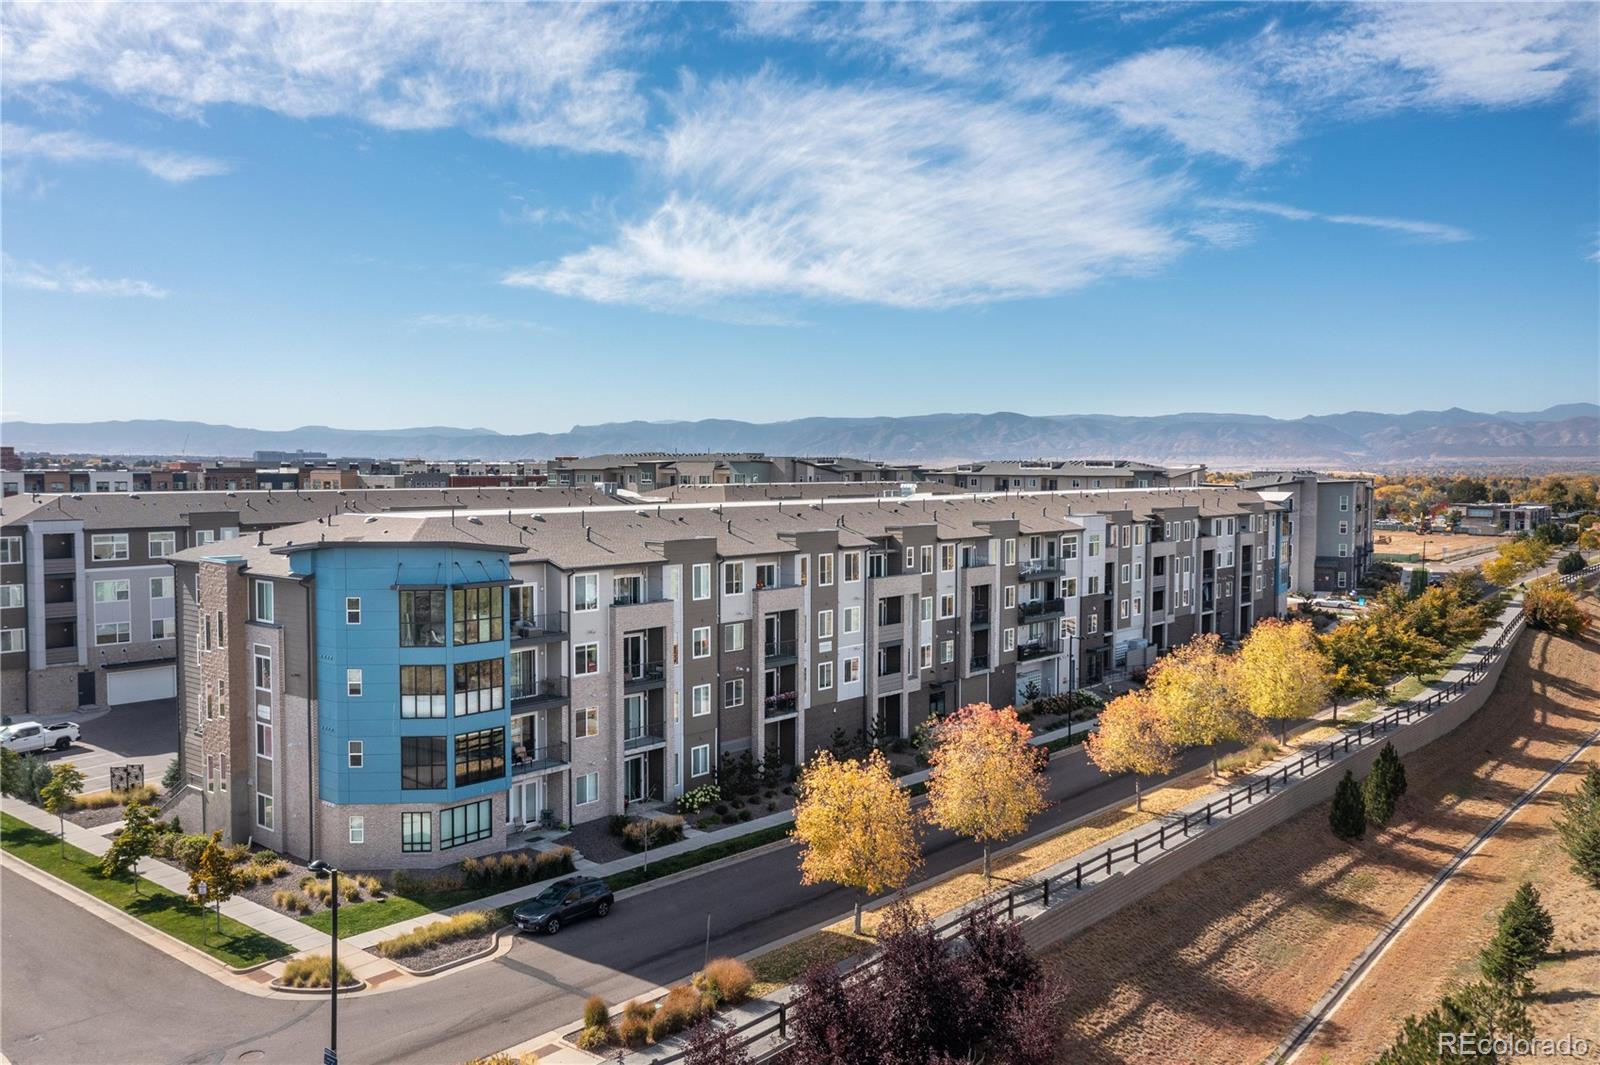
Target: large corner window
[480, 615]
[422, 691]
[480, 686]
[466, 824]
[480, 756]
[422, 762]
[421, 619]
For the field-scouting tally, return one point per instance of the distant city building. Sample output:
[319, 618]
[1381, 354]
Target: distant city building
[1329, 533]
[279, 458]
[1489, 519]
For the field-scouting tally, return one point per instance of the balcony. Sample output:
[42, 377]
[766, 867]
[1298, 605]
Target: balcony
[1026, 652]
[980, 663]
[56, 567]
[642, 676]
[980, 617]
[1036, 568]
[778, 652]
[640, 597]
[60, 610]
[545, 693]
[1041, 608]
[534, 628]
[781, 705]
[651, 732]
[60, 656]
[975, 561]
[525, 760]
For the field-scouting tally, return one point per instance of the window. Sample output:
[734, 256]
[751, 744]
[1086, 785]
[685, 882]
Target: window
[1127, 573]
[700, 642]
[1011, 596]
[733, 578]
[852, 620]
[162, 544]
[480, 756]
[110, 591]
[1344, 550]
[825, 570]
[586, 789]
[480, 614]
[1344, 528]
[13, 640]
[733, 692]
[700, 700]
[1094, 586]
[1123, 610]
[358, 828]
[108, 547]
[947, 652]
[586, 592]
[421, 619]
[586, 659]
[1011, 551]
[10, 549]
[422, 691]
[824, 624]
[480, 686]
[416, 833]
[203, 537]
[1094, 545]
[162, 629]
[852, 670]
[926, 608]
[1069, 587]
[1344, 504]
[422, 762]
[352, 683]
[355, 754]
[263, 668]
[1069, 547]
[947, 557]
[700, 760]
[460, 825]
[264, 810]
[805, 569]
[586, 722]
[160, 587]
[11, 595]
[1094, 623]
[824, 676]
[700, 580]
[947, 605]
[1138, 571]
[113, 632]
[911, 559]
[352, 610]
[264, 605]
[1342, 580]
[733, 636]
[1008, 640]
[852, 566]
[925, 656]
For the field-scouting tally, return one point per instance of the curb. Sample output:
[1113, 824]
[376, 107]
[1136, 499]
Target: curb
[347, 989]
[492, 949]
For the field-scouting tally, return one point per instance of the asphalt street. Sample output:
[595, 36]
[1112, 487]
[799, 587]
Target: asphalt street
[73, 991]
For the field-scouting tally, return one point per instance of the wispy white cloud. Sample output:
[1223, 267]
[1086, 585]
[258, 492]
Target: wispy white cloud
[1437, 232]
[77, 280]
[66, 146]
[478, 323]
[877, 195]
[538, 74]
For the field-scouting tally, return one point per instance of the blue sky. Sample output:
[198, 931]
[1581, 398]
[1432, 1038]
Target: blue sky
[525, 218]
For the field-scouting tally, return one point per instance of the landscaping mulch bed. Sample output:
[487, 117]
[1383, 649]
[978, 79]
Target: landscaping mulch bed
[105, 815]
[445, 952]
[756, 805]
[262, 892]
[595, 842]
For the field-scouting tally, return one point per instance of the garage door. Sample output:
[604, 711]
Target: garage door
[141, 685]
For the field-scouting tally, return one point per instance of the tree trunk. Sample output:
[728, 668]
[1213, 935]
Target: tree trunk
[858, 917]
[985, 864]
[61, 834]
[1138, 799]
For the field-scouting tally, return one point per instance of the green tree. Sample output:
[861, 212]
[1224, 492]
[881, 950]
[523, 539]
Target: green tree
[57, 796]
[1522, 935]
[136, 840]
[1348, 817]
[1419, 581]
[1384, 785]
[1571, 562]
[1449, 1031]
[215, 871]
[1579, 827]
[24, 776]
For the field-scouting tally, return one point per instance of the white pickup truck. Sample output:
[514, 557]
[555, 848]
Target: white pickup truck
[26, 736]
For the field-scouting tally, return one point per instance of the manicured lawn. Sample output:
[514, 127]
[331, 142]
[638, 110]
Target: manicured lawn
[358, 917]
[237, 944]
[679, 862]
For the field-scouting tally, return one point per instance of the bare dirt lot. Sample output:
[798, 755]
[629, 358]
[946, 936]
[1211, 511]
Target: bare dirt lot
[1219, 965]
[1441, 547]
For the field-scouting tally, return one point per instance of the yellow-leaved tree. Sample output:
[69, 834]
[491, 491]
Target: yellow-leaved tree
[1278, 672]
[984, 778]
[855, 826]
[1131, 738]
[1193, 694]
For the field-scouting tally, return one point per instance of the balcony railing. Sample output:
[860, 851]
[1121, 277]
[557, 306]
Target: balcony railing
[643, 674]
[782, 580]
[778, 649]
[535, 759]
[780, 704]
[539, 626]
[1041, 607]
[1037, 649]
[543, 693]
[980, 616]
[974, 561]
[60, 656]
[1039, 567]
[645, 733]
[639, 598]
[980, 662]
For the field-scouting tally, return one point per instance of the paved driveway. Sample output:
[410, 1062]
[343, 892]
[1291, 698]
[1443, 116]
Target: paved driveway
[138, 733]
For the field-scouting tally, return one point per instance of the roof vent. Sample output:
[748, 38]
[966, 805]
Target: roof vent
[476, 521]
[370, 519]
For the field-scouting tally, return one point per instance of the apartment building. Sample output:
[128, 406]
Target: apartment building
[1051, 475]
[650, 471]
[1329, 528]
[86, 598]
[381, 688]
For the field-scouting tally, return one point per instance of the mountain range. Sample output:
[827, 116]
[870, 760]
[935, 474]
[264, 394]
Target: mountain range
[1562, 435]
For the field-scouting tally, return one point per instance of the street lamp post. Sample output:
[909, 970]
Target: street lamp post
[322, 868]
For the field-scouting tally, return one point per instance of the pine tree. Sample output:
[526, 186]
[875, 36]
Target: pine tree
[1384, 785]
[1348, 817]
[1579, 827]
[1522, 936]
